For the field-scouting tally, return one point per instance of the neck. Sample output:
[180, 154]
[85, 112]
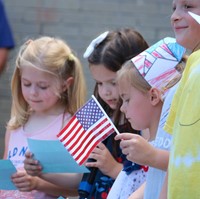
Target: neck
[197, 47]
[155, 122]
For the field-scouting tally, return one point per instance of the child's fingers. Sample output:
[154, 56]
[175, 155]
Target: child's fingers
[28, 154]
[101, 146]
[124, 136]
[18, 175]
[29, 167]
[29, 161]
[91, 164]
[123, 144]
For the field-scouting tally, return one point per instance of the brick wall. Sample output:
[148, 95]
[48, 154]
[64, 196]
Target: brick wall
[78, 22]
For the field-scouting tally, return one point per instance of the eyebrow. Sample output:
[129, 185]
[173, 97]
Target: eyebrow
[108, 80]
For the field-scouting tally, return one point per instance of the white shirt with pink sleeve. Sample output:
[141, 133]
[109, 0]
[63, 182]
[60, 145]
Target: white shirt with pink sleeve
[17, 148]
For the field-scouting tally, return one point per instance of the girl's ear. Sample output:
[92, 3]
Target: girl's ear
[67, 83]
[155, 96]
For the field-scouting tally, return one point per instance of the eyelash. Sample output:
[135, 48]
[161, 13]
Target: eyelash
[41, 87]
[114, 83]
[125, 100]
[186, 6]
[26, 85]
[98, 83]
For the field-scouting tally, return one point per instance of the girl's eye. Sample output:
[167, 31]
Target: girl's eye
[187, 6]
[127, 100]
[26, 84]
[99, 83]
[113, 83]
[43, 87]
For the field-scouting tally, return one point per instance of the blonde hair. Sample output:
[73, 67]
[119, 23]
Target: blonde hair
[54, 56]
[130, 74]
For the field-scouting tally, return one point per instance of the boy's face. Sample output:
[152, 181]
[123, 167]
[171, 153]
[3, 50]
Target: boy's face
[186, 29]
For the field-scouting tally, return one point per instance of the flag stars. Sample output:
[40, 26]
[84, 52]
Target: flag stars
[89, 114]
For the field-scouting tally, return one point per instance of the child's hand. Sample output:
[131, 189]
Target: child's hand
[24, 182]
[104, 161]
[32, 166]
[136, 148]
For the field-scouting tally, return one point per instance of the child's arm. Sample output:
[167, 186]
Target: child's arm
[7, 137]
[31, 165]
[139, 193]
[138, 150]
[163, 194]
[67, 180]
[104, 161]
[25, 182]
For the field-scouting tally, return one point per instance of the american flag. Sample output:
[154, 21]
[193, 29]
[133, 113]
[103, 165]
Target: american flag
[88, 127]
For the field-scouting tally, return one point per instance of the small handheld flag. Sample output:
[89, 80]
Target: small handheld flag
[87, 128]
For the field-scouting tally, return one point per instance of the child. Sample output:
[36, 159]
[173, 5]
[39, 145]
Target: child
[105, 55]
[48, 86]
[183, 120]
[144, 83]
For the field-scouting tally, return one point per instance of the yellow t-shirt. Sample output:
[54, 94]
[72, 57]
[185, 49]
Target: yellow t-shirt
[184, 123]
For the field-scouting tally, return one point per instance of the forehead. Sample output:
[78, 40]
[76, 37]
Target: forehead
[31, 73]
[124, 86]
[101, 73]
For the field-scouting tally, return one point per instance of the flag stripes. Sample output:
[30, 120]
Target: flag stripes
[85, 130]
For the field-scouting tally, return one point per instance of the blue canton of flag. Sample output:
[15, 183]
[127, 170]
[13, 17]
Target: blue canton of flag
[88, 127]
[89, 114]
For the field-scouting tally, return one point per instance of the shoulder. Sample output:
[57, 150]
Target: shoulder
[7, 138]
[171, 93]
[67, 117]
[192, 62]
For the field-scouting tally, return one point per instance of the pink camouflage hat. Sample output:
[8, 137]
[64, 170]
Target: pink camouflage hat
[157, 63]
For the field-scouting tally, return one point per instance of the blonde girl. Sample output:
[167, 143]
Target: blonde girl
[47, 87]
[147, 84]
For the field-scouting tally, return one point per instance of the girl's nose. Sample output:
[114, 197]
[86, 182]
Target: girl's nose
[122, 108]
[106, 91]
[33, 90]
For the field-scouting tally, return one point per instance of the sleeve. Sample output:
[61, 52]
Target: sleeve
[164, 120]
[6, 37]
[173, 109]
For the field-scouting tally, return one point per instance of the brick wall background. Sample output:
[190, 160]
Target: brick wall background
[78, 22]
